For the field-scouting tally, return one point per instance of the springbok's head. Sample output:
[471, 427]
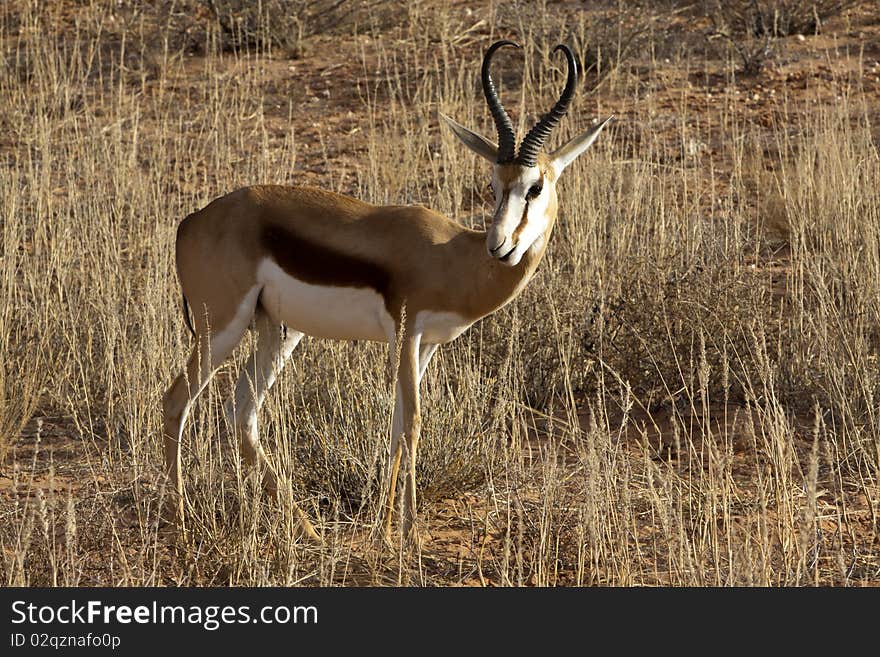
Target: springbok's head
[524, 183]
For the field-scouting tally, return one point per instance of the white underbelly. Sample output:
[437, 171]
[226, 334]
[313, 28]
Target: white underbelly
[323, 311]
[344, 313]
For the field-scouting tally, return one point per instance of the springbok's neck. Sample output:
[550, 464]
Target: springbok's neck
[495, 284]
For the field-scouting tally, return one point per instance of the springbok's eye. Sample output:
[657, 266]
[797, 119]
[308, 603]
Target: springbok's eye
[534, 192]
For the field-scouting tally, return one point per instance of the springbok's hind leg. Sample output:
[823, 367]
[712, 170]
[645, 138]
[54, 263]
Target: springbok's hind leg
[272, 351]
[209, 352]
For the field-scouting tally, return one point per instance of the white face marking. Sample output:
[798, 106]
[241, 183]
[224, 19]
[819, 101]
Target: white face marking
[507, 239]
[338, 313]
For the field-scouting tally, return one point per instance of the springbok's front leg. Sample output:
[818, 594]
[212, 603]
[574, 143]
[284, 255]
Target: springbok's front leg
[406, 428]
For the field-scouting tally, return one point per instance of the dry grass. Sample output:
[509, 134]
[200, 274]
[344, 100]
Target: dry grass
[687, 394]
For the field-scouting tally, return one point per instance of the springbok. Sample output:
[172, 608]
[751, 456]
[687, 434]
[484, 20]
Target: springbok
[331, 266]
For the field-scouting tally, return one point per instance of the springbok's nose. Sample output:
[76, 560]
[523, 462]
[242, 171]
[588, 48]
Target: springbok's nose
[497, 248]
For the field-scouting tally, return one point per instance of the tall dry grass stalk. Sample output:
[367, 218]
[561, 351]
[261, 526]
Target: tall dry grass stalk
[673, 400]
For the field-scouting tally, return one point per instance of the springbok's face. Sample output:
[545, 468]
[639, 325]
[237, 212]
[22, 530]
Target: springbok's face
[523, 178]
[525, 206]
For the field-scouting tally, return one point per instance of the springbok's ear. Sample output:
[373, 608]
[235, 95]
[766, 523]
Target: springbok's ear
[567, 153]
[479, 145]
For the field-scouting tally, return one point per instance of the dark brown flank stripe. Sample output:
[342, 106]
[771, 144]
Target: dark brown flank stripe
[315, 264]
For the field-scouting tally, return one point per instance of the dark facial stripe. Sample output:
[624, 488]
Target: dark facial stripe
[316, 264]
[521, 226]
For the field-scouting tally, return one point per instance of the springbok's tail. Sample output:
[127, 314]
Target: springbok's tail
[186, 314]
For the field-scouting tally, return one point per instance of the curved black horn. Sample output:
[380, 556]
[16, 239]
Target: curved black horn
[506, 136]
[534, 140]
